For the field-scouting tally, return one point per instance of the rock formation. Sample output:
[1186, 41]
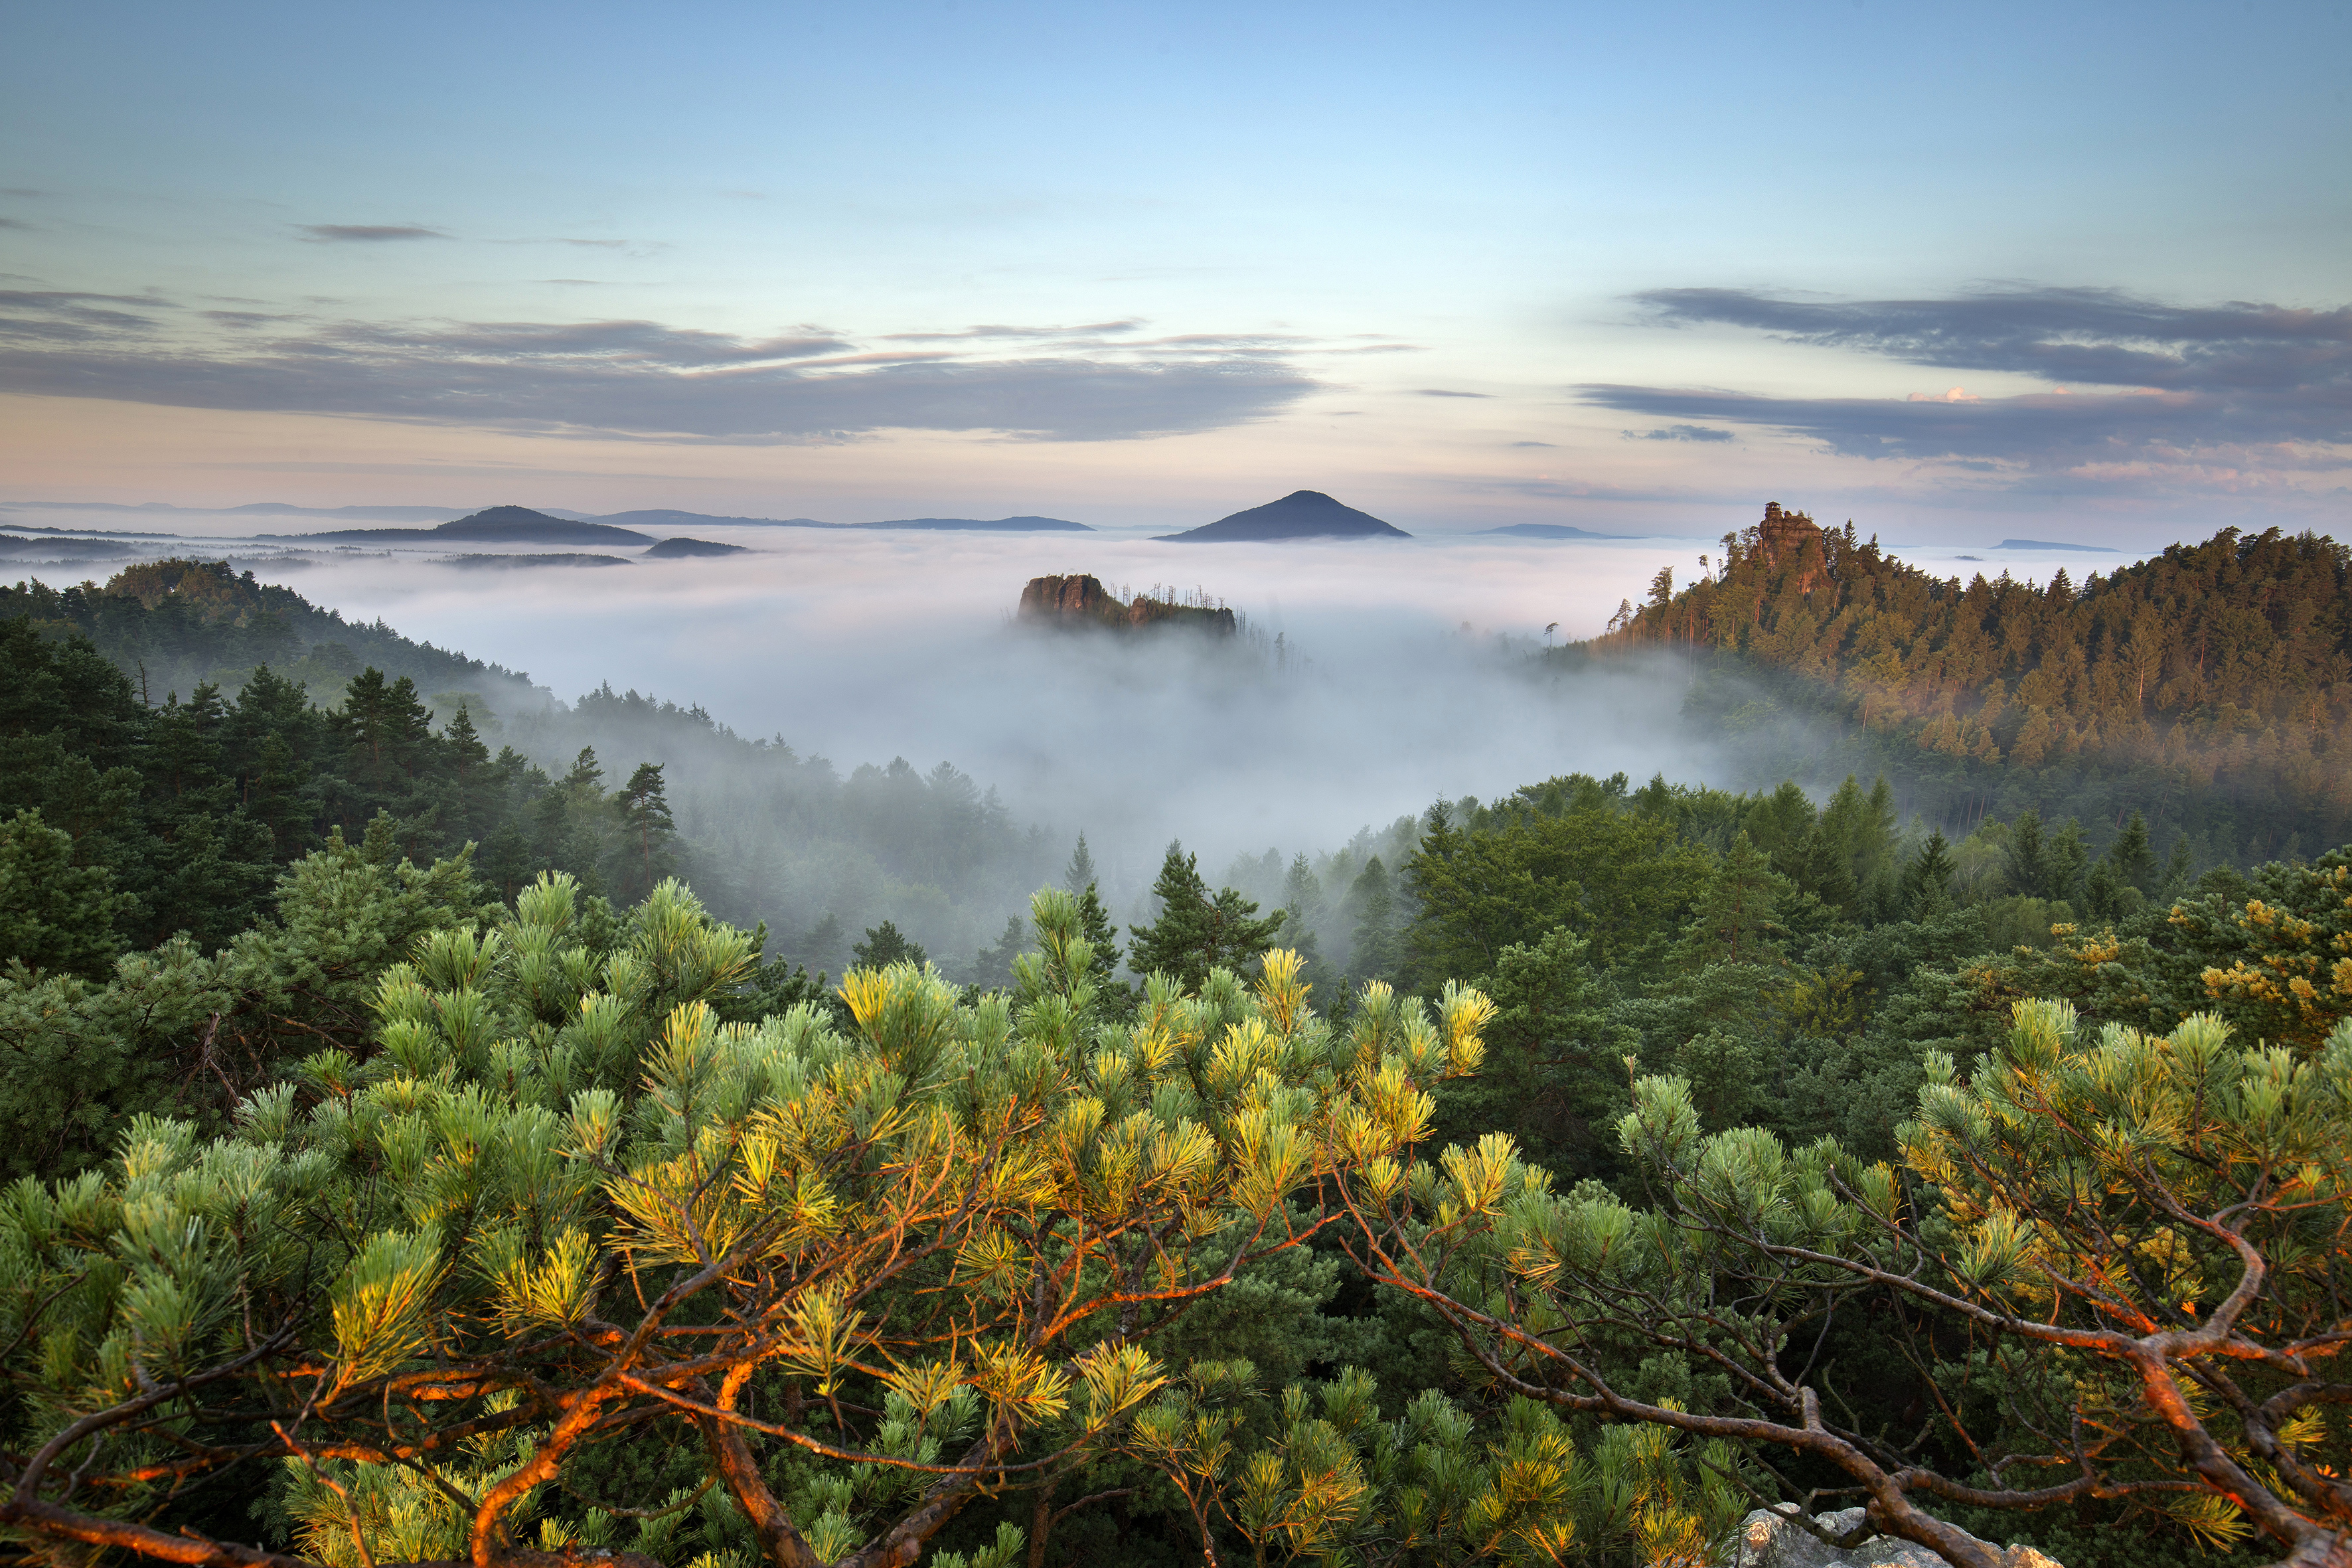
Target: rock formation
[1083, 601]
[1765, 1540]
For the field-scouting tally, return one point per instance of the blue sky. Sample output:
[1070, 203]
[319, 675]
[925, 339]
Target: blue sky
[1638, 269]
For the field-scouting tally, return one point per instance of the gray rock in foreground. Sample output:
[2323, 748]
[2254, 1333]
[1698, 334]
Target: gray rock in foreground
[1766, 1541]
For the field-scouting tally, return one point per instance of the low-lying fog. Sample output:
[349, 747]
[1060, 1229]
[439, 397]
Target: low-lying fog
[1401, 676]
[1376, 677]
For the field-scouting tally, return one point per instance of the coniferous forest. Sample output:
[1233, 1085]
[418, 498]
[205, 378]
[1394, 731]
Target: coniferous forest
[424, 1147]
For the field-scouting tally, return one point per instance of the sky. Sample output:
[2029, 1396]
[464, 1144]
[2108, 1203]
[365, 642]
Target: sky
[2066, 273]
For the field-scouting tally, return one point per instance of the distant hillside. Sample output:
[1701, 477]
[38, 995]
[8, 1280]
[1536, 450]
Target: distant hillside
[60, 550]
[658, 517]
[998, 525]
[681, 548]
[2052, 544]
[549, 558]
[1548, 531]
[254, 508]
[2212, 683]
[498, 524]
[171, 624]
[664, 518]
[1301, 514]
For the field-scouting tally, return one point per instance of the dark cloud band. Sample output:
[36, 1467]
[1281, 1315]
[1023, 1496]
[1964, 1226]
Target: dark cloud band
[2146, 386]
[367, 233]
[634, 378]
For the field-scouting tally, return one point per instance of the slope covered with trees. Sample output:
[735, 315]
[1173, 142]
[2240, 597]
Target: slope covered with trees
[2209, 687]
[193, 731]
[410, 1168]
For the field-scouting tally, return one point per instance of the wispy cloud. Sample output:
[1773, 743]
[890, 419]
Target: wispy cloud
[643, 379]
[57, 317]
[1443, 391]
[1094, 329]
[14, 223]
[367, 232]
[2144, 393]
[1679, 433]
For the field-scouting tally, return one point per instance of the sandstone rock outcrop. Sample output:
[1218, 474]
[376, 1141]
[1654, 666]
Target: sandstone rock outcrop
[1083, 601]
[1765, 1540]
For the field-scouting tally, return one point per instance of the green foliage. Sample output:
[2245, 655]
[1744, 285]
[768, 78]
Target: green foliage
[1197, 932]
[2144, 1233]
[2210, 680]
[551, 1202]
[54, 915]
[1568, 854]
[885, 945]
[1317, 1474]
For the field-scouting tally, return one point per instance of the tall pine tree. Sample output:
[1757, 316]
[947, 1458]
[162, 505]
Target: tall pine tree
[1197, 932]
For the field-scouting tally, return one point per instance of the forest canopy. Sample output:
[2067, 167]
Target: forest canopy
[412, 1163]
[2209, 687]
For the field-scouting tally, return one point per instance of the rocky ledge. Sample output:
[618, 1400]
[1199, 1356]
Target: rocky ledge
[1766, 1539]
[1083, 601]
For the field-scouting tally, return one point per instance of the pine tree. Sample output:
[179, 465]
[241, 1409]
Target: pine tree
[54, 915]
[1928, 880]
[2027, 857]
[991, 967]
[1373, 945]
[884, 945]
[587, 774]
[644, 808]
[2133, 856]
[1196, 933]
[1733, 923]
[2177, 867]
[1081, 874]
[467, 754]
[820, 946]
[1094, 924]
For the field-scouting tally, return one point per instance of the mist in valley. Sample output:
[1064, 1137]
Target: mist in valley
[884, 741]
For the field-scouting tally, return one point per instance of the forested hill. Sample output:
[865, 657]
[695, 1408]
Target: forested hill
[2211, 685]
[173, 624]
[195, 733]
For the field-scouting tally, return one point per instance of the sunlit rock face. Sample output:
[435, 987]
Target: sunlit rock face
[1083, 601]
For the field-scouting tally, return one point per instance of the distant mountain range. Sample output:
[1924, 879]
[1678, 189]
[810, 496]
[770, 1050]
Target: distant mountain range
[499, 524]
[1301, 514]
[655, 517]
[664, 518]
[1548, 531]
[255, 508]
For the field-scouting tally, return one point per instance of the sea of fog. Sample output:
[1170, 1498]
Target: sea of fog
[1403, 676]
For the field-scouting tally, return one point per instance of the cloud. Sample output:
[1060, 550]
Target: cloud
[1095, 328]
[1441, 392]
[1534, 443]
[2189, 396]
[1679, 433]
[640, 379]
[14, 223]
[57, 317]
[367, 232]
[2100, 336]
